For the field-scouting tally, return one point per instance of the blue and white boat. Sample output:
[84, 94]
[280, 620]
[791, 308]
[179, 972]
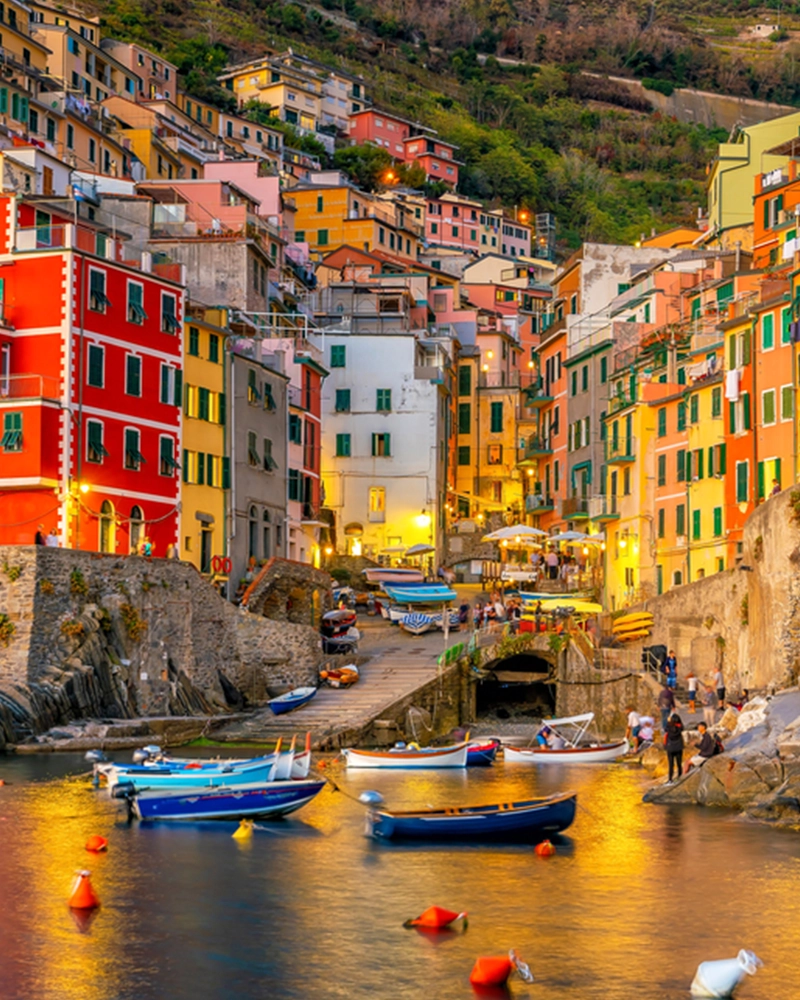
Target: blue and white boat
[429, 601]
[260, 769]
[254, 800]
[291, 700]
[416, 622]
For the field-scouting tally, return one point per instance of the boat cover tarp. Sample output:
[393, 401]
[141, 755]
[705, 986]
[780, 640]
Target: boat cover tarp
[432, 594]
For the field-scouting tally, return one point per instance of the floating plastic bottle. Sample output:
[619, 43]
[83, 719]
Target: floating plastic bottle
[720, 978]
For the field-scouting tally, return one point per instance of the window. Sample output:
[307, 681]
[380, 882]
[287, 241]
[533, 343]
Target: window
[167, 465]
[767, 332]
[381, 445]
[295, 429]
[136, 313]
[95, 452]
[70, 136]
[342, 404]
[252, 450]
[662, 470]
[169, 319]
[464, 418]
[92, 150]
[745, 402]
[574, 384]
[694, 408]
[133, 456]
[584, 378]
[133, 375]
[343, 446]
[717, 522]
[494, 454]
[603, 369]
[787, 402]
[768, 407]
[786, 326]
[194, 342]
[681, 465]
[463, 454]
[269, 462]
[742, 482]
[377, 503]
[319, 203]
[464, 380]
[12, 432]
[716, 401]
[213, 348]
[337, 355]
[662, 422]
[97, 291]
[294, 484]
[43, 233]
[95, 375]
[384, 400]
[661, 519]
[626, 482]
[171, 385]
[203, 403]
[496, 418]
[680, 519]
[322, 237]
[681, 416]
[253, 394]
[269, 399]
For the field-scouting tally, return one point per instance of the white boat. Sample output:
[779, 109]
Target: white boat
[578, 745]
[452, 756]
[416, 623]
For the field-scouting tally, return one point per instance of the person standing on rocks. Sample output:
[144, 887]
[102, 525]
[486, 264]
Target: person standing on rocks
[634, 725]
[666, 704]
[710, 704]
[719, 684]
[673, 744]
[705, 748]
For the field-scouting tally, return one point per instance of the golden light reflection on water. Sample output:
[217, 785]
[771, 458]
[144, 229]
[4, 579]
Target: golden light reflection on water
[310, 909]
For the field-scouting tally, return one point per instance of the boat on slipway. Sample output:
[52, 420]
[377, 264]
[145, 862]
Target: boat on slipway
[291, 700]
[528, 821]
[408, 756]
[578, 745]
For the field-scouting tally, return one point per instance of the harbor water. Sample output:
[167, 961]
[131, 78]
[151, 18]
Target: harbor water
[310, 909]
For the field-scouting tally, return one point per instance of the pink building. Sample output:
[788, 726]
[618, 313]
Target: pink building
[382, 129]
[453, 223]
[516, 240]
[435, 156]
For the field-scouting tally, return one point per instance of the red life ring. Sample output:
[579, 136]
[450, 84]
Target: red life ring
[227, 566]
[216, 564]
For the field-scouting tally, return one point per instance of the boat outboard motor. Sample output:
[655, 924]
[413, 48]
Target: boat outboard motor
[140, 756]
[125, 790]
[94, 756]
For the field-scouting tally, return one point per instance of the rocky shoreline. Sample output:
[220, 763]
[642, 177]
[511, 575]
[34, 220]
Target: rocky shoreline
[759, 772]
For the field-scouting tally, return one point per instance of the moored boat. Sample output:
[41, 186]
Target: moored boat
[260, 769]
[528, 821]
[452, 756]
[416, 622]
[291, 700]
[481, 753]
[571, 743]
[252, 800]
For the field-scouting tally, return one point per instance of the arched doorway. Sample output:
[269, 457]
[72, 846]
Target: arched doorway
[265, 535]
[137, 526]
[252, 533]
[106, 526]
[354, 532]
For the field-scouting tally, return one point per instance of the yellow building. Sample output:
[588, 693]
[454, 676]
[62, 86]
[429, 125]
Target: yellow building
[733, 171]
[81, 66]
[203, 114]
[330, 217]
[206, 466]
[291, 88]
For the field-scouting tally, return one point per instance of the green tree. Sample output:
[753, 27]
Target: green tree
[364, 165]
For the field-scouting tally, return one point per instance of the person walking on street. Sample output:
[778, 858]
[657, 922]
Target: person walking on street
[673, 744]
[671, 664]
[710, 704]
[719, 684]
[691, 691]
[666, 703]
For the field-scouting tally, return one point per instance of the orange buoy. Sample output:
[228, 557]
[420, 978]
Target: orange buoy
[2, 781]
[83, 896]
[545, 849]
[96, 843]
[436, 918]
[491, 971]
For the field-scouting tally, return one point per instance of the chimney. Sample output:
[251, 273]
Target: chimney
[738, 257]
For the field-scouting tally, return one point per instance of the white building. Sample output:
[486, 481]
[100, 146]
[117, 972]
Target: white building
[385, 458]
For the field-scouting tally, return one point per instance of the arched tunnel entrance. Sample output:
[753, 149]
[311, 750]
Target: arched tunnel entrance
[516, 688]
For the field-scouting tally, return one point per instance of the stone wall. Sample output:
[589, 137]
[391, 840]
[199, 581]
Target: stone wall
[106, 636]
[290, 591]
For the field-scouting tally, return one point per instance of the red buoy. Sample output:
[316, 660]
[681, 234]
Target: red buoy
[83, 896]
[436, 918]
[491, 971]
[545, 849]
[96, 843]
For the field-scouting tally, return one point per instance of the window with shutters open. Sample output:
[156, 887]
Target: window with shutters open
[98, 301]
[95, 452]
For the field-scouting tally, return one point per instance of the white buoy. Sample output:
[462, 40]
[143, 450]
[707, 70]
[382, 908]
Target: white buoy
[370, 798]
[720, 978]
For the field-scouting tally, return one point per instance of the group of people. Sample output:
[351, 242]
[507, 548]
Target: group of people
[554, 565]
[50, 539]
[494, 610]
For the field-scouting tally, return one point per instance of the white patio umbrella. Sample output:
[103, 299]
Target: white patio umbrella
[514, 532]
[569, 536]
[420, 550]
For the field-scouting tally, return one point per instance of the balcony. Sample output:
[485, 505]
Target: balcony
[621, 451]
[603, 508]
[498, 380]
[575, 508]
[429, 373]
[538, 503]
[28, 387]
[619, 401]
[537, 394]
[534, 447]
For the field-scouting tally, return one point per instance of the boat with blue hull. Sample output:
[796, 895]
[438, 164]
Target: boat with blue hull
[528, 821]
[482, 753]
[249, 801]
[291, 700]
[258, 770]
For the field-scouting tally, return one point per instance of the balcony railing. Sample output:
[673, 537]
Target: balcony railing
[535, 446]
[28, 387]
[538, 503]
[575, 507]
[429, 373]
[537, 394]
[498, 380]
[603, 508]
[621, 450]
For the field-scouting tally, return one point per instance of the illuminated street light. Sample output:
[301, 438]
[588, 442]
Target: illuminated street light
[422, 520]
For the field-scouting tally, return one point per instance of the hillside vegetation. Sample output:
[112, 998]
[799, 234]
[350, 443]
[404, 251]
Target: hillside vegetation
[538, 134]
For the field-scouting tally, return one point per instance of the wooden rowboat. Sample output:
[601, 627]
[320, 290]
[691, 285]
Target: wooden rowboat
[598, 754]
[292, 700]
[452, 756]
[529, 821]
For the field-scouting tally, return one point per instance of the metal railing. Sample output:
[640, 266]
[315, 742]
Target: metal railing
[28, 387]
[575, 507]
[538, 501]
[535, 446]
[621, 450]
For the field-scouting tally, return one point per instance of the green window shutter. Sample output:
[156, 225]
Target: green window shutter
[342, 401]
[778, 470]
[164, 384]
[464, 418]
[717, 521]
[223, 408]
[722, 463]
[95, 366]
[681, 465]
[710, 462]
[464, 380]
[3, 100]
[464, 454]
[681, 416]
[786, 321]
[747, 340]
[203, 405]
[680, 519]
[604, 369]
[767, 332]
[688, 466]
[226, 473]
[574, 382]
[746, 410]
[194, 342]
[662, 470]
[760, 469]
[768, 407]
[696, 307]
[338, 355]
[716, 401]
[662, 421]
[694, 408]
[496, 418]
[383, 400]
[698, 461]
[201, 468]
[787, 402]
[779, 204]
[732, 352]
[732, 416]
[661, 520]
[696, 524]
[133, 375]
[342, 445]
[185, 466]
[741, 482]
